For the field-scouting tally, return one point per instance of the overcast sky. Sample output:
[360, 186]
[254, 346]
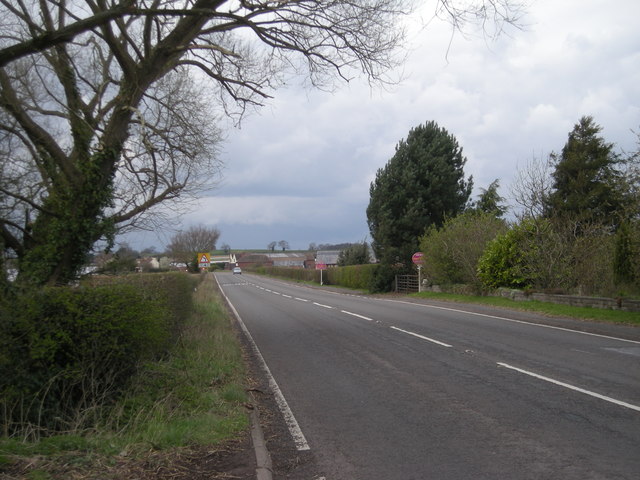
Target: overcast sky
[300, 169]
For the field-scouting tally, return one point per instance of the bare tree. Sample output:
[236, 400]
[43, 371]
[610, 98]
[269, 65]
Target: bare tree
[102, 119]
[186, 245]
[531, 187]
[283, 244]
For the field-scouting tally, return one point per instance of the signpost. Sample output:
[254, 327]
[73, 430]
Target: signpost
[321, 267]
[416, 258]
[204, 260]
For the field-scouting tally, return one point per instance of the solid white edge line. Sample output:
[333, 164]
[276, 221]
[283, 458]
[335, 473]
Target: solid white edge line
[515, 321]
[356, 315]
[292, 424]
[571, 387]
[422, 337]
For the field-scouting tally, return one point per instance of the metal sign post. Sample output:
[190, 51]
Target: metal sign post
[416, 258]
[321, 267]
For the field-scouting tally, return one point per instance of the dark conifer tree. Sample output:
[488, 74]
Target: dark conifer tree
[421, 185]
[586, 178]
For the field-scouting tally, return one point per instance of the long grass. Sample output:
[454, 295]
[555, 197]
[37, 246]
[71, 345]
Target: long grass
[195, 396]
[545, 308]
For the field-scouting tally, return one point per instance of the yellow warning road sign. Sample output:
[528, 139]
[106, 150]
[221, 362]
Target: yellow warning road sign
[204, 260]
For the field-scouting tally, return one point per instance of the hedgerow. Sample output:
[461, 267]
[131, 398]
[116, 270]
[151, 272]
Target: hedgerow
[360, 277]
[67, 353]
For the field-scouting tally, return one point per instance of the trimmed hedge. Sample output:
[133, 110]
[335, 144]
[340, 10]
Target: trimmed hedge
[300, 274]
[359, 277]
[67, 352]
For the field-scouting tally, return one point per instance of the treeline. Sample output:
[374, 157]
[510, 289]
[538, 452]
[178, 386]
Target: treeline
[576, 230]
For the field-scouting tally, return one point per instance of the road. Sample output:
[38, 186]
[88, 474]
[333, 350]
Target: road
[393, 389]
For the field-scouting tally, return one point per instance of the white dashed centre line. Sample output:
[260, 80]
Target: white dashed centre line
[321, 305]
[422, 337]
[358, 316]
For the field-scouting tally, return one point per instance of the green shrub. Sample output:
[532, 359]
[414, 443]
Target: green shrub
[451, 253]
[383, 278]
[65, 353]
[626, 259]
[358, 277]
[172, 291]
[501, 264]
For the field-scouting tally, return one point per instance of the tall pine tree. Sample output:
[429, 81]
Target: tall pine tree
[421, 185]
[586, 178]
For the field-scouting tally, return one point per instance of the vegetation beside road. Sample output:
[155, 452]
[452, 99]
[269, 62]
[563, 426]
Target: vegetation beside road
[358, 277]
[192, 394]
[545, 308]
[345, 277]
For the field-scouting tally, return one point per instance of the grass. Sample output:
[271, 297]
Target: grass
[193, 397]
[546, 308]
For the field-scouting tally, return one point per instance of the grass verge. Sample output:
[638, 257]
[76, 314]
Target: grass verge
[194, 397]
[546, 308]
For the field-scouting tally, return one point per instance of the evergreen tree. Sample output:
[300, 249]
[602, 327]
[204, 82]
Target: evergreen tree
[421, 185]
[586, 178]
[490, 201]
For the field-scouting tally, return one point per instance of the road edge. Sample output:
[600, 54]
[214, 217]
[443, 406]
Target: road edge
[264, 465]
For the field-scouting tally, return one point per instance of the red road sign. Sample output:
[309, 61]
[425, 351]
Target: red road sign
[417, 258]
[321, 266]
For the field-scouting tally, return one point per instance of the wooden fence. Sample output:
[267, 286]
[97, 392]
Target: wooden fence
[406, 283]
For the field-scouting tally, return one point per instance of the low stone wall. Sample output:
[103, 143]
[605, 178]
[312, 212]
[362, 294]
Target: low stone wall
[574, 300]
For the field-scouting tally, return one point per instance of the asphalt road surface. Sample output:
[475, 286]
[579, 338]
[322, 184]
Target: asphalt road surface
[394, 389]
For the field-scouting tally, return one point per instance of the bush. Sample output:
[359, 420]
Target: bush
[65, 353]
[502, 263]
[451, 253]
[353, 276]
[593, 269]
[559, 254]
[383, 278]
[627, 256]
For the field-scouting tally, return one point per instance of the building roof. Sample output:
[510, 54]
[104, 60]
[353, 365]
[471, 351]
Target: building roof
[286, 255]
[328, 257]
